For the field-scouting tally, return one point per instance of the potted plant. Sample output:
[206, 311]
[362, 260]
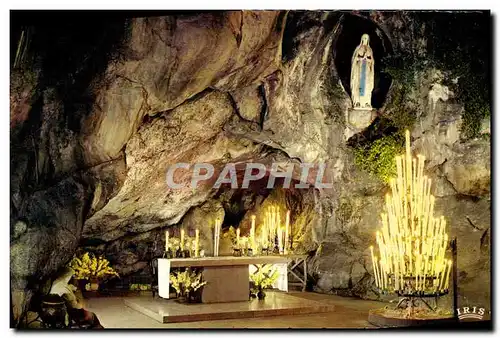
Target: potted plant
[187, 285]
[263, 278]
[91, 268]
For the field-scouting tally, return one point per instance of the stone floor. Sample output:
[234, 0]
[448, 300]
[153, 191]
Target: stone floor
[349, 313]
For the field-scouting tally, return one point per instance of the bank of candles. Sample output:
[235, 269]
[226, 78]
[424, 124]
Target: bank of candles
[272, 224]
[412, 242]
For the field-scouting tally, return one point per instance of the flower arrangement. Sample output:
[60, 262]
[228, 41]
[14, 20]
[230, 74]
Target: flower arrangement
[140, 287]
[263, 278]
[186, 282]
[174, 244]
[90, 267]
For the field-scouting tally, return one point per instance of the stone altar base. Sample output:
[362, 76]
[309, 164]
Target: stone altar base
[275, 304]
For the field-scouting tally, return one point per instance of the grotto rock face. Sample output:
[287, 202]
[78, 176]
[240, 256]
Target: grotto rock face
[46, 238]
[168, 60]
[89, 172]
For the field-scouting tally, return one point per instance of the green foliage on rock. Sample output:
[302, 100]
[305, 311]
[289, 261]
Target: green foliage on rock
[377, 157]
[462, 46]
[458, 48]
[404, 69]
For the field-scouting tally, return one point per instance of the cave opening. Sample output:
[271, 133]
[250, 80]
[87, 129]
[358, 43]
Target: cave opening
[240, 203]
[348, 38]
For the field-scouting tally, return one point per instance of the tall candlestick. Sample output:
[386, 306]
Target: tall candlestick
[197, 243]
[166, 240]
[182, 239]
[238, 237]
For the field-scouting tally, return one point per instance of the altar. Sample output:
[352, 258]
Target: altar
[227, 277]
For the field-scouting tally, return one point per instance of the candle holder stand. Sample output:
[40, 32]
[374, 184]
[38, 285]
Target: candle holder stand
[168, 254]
[236, 252]
[413, 301]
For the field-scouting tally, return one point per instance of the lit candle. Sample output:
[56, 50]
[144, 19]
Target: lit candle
[197, 243]
[182, 239]
[287, 231]
[166, 240]
[264, 236]
[219, 224]
[238, 237]
[446, 284]
[377, 280]
[216, 238]
[396, 276]
[252, 236]
[373, 258]
[443, 277]
[384, 275]
[280, 240]
[417, 268]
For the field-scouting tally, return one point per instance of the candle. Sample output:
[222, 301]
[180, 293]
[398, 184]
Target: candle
[238, 237]
[443, 276]
[166, 240]
[197, 243]
[396, 276]
[216, 238]
[446, 284]
[264, 237]
[182, 239]
[377, 281]
[219, 224]
[384, 274]
[287, 231]
[280, 240]
[252, 236]
[417, 267]
[373, 263]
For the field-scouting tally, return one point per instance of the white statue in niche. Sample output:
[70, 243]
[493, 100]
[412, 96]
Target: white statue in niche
[362, 74]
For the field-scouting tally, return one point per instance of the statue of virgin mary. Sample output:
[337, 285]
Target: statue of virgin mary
[362, 74]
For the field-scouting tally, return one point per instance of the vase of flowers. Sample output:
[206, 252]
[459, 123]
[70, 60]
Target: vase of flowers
[92, 269]
[263, 278]
[188, 285]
